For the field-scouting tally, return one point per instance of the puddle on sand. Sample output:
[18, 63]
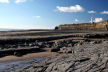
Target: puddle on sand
[20, 64]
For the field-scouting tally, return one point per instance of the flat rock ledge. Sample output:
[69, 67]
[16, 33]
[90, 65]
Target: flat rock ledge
[87, 57]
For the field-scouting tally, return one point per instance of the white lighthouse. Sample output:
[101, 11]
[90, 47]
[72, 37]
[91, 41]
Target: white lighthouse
[92, 20]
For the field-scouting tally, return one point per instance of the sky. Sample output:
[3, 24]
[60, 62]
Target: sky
[46, 14]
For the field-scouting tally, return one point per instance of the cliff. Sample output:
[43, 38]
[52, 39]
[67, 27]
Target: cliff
[84, 26]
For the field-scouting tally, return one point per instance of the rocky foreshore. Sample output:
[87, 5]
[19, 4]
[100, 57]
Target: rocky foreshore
[83, 57]
[75, 52]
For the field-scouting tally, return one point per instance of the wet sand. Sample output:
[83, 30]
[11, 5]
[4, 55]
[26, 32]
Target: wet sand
[28, 56]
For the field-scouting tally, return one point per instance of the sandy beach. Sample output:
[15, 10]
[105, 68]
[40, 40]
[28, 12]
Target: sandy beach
[28, 56]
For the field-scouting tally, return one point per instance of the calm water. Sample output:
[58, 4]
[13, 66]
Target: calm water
[20, 64]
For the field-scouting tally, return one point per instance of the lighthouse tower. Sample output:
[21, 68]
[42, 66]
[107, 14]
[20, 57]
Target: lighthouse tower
[91, 20]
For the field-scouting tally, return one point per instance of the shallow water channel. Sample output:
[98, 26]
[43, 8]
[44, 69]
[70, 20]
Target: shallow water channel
[4, 66]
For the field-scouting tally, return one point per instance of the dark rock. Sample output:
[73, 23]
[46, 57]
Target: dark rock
[54, 50]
